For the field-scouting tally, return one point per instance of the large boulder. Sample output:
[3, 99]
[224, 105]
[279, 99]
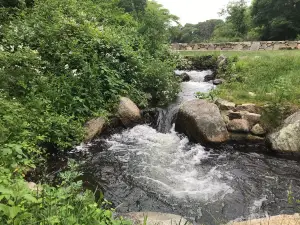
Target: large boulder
[128, 112]
[287, 137]
[201, 121]
[93, 128]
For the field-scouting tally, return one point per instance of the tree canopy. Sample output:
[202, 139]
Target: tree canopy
[262, 20]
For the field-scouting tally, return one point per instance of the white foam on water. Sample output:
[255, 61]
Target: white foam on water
[168, 164]
[195, 76]
[255, 209]
[83, 148]
[189, 89]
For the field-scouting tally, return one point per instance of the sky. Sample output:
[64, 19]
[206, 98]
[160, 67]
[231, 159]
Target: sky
[194, 11]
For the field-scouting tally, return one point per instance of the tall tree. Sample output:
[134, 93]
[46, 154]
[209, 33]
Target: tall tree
[278, 19]
[236, 14]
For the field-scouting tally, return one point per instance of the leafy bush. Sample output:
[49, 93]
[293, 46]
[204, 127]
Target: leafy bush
[68, 61]
[62, 63]
[65, 204]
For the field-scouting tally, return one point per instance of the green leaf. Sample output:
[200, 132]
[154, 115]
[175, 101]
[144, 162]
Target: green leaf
[30, 198]
[4, 209]
[13, 211]
[6, 151]
[5, 191]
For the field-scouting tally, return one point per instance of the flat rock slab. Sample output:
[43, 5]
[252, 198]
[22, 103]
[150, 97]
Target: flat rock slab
[155, 218]
[273, 220]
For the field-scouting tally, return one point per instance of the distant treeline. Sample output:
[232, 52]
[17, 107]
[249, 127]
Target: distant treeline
[263, 20]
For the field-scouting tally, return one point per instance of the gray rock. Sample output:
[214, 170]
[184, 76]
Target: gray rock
[239, 125]
[128, 112]
[93, 128]
[245, 137]
[234, 115]
[249, 107]
[287, 137]
[293, 118]
[224, 105]
[221, 61]
[252, 118]
[201, 121]
[258, 130]
[209, 77]
[185, 77]
[218, 81]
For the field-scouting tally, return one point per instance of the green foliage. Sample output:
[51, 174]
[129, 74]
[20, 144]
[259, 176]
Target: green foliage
[195, 33]
[267, 20]
[273, 77]
[66, 203]
[68, 61]
[154, 24]
[278, 20]
[135, 6]
[62, 63]
[204, 62]
[237, 23]
[208, 96]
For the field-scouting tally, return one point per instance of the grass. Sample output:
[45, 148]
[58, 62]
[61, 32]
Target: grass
[242, 53]
[260, 77]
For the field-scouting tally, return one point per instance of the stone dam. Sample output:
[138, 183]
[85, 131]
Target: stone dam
[238, 46]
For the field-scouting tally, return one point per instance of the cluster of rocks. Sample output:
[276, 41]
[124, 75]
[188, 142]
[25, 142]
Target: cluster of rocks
[128, 114]
[243, 121]
[206, 122]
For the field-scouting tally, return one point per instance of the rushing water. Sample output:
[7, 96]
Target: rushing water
[147, 169]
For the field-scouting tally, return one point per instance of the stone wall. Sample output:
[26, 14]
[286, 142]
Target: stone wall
[238, 46]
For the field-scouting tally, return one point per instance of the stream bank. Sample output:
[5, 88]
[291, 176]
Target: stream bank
[146, 168]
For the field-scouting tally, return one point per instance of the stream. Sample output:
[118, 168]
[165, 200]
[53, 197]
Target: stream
[156, 169]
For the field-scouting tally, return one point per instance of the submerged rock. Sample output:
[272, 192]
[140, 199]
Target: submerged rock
[241, 137]
[287, 137]
[93, 127]
[209, 77]
[185, 77]
[128, 112]
[201, 121]
[155, 218]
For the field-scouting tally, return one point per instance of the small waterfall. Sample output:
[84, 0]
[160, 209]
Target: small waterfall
[188, 90]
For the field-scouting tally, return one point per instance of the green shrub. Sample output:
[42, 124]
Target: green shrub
[64, 204]
[62, 63]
